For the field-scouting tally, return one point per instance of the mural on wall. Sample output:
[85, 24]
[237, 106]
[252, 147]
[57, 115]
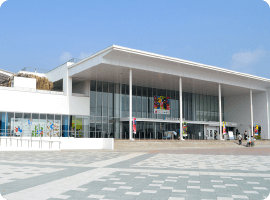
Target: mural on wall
[161, 105]
[184, 129]
[35, 127]
[224, 127]
[256, 129]
[134, 125]
[53, 128]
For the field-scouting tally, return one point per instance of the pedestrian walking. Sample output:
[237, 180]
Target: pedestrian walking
[237, 133]
[245, 135]
[248, 141]
[240, 139]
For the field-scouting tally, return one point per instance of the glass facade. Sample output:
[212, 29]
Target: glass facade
[109, 112]
[43, 125]
[109, 103]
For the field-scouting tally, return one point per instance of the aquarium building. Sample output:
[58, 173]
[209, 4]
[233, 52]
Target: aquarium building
[103, 95]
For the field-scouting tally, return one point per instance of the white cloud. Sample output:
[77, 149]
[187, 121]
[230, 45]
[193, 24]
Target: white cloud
[84, 55]
[268, 1]
[243, 61]
[2, 1]
[66, 56]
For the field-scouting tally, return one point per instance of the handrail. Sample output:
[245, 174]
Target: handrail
[36, 70]
[29, 139]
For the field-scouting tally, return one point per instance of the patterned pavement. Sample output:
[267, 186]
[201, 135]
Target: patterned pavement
[173, 175]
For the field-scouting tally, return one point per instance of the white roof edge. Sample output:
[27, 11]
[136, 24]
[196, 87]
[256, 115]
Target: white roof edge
[7, 72]
[145, 53]
[92, 56]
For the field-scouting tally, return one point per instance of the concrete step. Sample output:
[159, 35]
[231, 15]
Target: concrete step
[171, 144]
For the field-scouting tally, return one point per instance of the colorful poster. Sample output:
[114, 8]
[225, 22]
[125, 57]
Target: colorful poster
[256, 129]
[53, 128]
[161, 105]
[134, 125]
[35, 127]
[184, 129]
[224, 127]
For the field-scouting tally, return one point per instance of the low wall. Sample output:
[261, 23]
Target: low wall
[87, 143]
[55, 143]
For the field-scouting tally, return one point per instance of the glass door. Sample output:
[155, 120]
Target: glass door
[82, 127]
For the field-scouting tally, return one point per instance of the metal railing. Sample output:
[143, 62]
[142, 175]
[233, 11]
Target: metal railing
[35, 70]
[74, 60]
[29, 142]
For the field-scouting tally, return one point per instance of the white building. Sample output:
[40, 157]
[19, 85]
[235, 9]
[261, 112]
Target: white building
[91, 98]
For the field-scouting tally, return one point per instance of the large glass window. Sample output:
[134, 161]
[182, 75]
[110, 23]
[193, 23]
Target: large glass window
[65, 121]
[57, 126]
[99, 98]
[2, 123]
[111, 102]
[105, 99]
[93, 105]
[43, 124]
[18, 124]
[35, 127]
[49, 126]
[27, 125]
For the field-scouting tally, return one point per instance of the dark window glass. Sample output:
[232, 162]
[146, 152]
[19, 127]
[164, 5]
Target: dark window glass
[2, 123]
[65, 120]
[105, 99]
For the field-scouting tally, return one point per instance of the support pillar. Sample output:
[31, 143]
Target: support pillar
[251, 114]
[130, 105]
[220, 113]
[180, 108]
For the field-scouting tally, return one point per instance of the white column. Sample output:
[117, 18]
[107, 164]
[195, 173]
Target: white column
[220, 112]
[67, 83]
[180, 108]
[130, 104]
[251, 114]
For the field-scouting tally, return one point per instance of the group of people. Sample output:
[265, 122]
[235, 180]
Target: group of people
[250, 140]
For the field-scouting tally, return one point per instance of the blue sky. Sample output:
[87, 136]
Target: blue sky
[232, 34]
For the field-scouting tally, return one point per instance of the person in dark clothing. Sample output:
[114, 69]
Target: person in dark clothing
[237, 133]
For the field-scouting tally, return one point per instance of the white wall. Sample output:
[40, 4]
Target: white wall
[57, 73]
[260, 112]
[237, 109]
[33, 102]
[25, 82]
[79, 105]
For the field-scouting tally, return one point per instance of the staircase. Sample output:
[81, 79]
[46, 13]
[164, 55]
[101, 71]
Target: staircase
[175, 144]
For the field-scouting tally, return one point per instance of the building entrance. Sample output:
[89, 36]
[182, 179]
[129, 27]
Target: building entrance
[162, 131]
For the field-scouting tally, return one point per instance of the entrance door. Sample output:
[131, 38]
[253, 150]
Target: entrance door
[212, 131]
[82, 127]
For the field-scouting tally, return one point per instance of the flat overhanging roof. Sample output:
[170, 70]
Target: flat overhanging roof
[124, 53]
[113, 63]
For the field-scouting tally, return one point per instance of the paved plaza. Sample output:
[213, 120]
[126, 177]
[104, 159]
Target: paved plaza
[177, 174]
